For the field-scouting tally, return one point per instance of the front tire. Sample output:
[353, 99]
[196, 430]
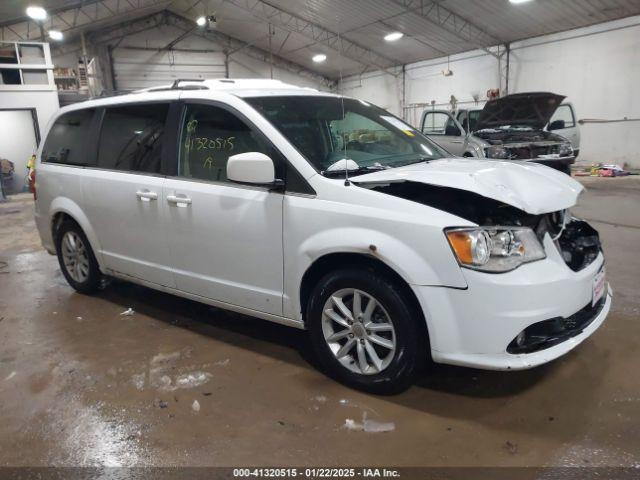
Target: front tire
[76, 258]
[365, 332]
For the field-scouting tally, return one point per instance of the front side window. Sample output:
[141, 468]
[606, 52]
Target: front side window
[327, 130]
[565, 113]
[439, 123]
[131, 138]
[66, 140]
[209, 136]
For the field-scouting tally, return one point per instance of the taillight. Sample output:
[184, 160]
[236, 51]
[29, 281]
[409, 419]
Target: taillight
[32, 184]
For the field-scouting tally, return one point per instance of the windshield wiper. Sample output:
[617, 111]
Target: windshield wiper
[420, 159]
[359, 170]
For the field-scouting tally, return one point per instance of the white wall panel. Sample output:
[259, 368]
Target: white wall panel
[597, 68]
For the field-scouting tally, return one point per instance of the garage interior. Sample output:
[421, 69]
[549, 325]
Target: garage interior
[83, 378]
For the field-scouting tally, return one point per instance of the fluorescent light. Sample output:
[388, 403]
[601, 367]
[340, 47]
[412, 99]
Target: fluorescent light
[37, 13]
[519, 1]
[55, 35]
[392, 37]
[201, 21]
[319, 58]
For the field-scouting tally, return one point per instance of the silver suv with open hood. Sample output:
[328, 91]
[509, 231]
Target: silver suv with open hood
[508, 128]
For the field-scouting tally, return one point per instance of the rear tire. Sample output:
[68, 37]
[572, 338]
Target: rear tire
[76, 258]
[375, 348]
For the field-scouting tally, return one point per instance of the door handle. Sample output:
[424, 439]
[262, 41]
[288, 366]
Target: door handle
[179, 200]
[456, 141]
[146, 195]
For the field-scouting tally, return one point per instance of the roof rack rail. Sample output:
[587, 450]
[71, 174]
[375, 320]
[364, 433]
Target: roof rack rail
[176, 84]
[112, 93]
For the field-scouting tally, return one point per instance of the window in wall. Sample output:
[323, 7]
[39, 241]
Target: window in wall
[31, 54]
[565, 113]
[35, 77]
[66, 140]
[210, 135]
[131, 138]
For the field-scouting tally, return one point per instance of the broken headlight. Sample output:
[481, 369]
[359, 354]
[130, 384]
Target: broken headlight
[497, 151]
[494, 249]
[565, 150]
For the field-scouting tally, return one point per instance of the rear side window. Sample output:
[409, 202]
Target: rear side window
[131, 138]
[66, 140]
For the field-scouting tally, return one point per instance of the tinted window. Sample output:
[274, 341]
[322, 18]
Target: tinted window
[131, 138]
[66, 140]
[210, 135]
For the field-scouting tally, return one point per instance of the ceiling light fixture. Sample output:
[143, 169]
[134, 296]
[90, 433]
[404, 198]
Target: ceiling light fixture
[55, 35]
[37, 13]
[201, 21]
[319, 58]
[392, 37]
[516, 2]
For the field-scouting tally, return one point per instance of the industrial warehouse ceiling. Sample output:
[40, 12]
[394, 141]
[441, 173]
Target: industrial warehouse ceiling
[350, 33]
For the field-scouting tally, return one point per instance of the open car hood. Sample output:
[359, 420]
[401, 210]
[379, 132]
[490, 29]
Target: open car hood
[533, 109]
[533, 188]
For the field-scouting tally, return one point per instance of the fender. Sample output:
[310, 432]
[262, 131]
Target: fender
[401, 257]
[68, 206]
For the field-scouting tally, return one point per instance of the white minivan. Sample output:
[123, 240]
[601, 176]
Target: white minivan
[324, 213]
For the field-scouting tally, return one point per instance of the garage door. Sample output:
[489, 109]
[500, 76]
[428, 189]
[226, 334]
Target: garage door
[135, 69]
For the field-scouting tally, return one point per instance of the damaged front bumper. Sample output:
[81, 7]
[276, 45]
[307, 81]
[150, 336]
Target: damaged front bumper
[474, 327]
[559, 163]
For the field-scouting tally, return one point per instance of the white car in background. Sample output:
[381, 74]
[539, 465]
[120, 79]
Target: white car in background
[323, 213]
[565, 123]
[532, 127]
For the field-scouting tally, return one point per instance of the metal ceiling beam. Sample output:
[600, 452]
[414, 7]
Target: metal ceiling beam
[234, 45]
[113, 35]
[78, 16]
[320, 35]
[444, 18]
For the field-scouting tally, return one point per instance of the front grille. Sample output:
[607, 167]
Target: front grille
[525, 152]
[548, 333]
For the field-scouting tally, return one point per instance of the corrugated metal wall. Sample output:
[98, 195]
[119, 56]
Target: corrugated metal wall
[136, 69]
[139, 61]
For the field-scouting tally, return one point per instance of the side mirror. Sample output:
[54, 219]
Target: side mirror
[252, 168]
[556, 125]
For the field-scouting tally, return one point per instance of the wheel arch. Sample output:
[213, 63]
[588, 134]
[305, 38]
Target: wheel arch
[64, 209]
[334, 261]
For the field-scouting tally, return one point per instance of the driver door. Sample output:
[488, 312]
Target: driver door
[442, 128]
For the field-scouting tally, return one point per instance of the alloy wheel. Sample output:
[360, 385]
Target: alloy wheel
[359, 331]
[75, 257]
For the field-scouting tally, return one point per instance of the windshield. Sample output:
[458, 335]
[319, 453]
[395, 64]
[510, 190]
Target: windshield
[364, 137]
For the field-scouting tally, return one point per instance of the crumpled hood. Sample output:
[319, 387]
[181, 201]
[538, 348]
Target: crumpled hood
[531, 187]
[533, 109]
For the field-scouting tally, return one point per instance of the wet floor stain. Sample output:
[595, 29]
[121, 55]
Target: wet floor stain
[180, 383]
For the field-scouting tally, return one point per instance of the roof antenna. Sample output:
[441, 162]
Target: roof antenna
[344, 141]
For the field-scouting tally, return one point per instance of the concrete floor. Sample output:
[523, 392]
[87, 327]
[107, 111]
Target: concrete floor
[82, 385]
